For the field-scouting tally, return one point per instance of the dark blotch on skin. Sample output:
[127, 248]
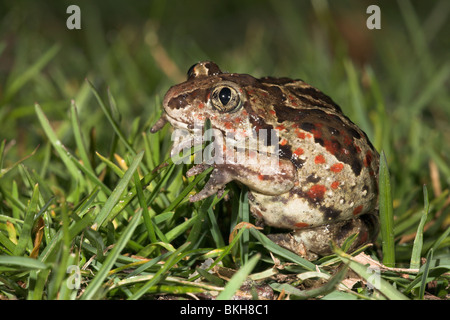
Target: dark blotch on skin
[345, 230]
[186, 99]
[313, 178]
[330, 214]
[286, 153]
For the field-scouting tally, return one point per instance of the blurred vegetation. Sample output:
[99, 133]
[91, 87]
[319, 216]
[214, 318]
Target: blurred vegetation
[392, 82]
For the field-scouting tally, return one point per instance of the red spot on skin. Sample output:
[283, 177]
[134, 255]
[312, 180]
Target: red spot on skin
[308, 135]
[299, 151]
[357, 210]
[272, 112]
[337, 167]
[316, 133]
[201, 105]
[301, 225]
[301, 135]
[228, 125]
[317, 192]
[335, 185]
[331, 146]
[208, 95]
[261, 177]
[368, 159]
[348, 140]
[319, 159]
[280, 127]
[283, 142]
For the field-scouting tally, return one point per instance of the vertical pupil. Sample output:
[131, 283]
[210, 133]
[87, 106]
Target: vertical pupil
[225, 96]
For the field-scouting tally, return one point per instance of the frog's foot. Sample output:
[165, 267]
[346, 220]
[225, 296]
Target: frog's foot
[215, 184]
[311, 243]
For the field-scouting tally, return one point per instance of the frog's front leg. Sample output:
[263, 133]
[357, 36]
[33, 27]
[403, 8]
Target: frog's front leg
[276, 179]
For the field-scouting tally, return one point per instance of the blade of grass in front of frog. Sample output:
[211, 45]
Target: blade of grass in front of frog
[282, 252]
[215, 228]
[201, 212]
[325, 289]
[371, 275]
[244, 217]
[187, 189]
[238, 278]
[418, 240]
[386, 213]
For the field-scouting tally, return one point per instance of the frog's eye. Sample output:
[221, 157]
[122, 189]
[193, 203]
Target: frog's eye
[225, 98]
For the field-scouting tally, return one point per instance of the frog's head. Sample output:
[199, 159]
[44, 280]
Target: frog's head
[208, 93]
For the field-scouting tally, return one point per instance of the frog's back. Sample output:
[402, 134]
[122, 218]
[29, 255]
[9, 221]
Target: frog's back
[337, 165]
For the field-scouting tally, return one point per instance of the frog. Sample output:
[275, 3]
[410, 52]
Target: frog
[315, 181]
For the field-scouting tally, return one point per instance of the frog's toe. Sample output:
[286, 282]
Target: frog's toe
[215, 184]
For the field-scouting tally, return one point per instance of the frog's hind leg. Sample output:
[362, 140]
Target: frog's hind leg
[311, 243]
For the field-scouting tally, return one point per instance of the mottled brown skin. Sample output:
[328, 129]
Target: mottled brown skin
[325, 185]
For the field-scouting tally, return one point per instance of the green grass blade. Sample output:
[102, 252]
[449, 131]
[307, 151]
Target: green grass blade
[22, 262]
[111, 120]
[325, 289]
[245, 217]
[146, 214]
[238, 278]
[426, 270]
[386, 214]
[104, 214]
[25, 234]
[79, 136]
[171, 261]
[95, 285]
[56, 143]
[282, 252]
[374, 279]
[418, 240]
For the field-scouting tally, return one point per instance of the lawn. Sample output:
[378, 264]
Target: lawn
[92, 207]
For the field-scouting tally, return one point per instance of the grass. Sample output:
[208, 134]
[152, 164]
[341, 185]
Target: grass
[91, 206]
